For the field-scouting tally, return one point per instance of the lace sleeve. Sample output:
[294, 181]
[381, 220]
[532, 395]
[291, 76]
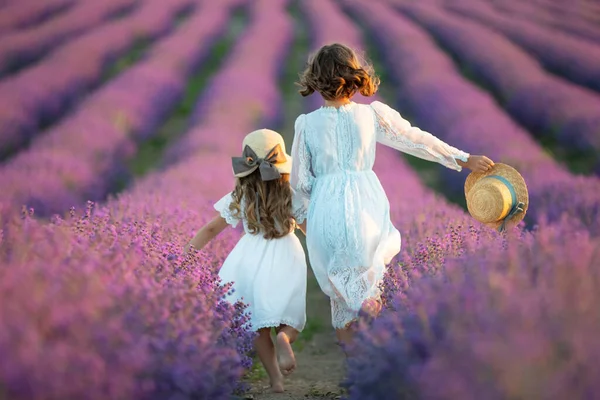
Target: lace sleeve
[396, 132]
[222, 206]
[302, 176]
[299, 207]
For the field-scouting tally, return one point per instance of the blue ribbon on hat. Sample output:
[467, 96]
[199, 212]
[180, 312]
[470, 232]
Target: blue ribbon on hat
[516, 207]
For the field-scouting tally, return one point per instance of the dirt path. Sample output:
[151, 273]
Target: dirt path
[320, 361]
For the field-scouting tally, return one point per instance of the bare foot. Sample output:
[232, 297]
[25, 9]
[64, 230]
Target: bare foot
[285, 354]
[277, 385]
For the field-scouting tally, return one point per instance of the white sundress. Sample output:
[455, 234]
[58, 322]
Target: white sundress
[267, 274]
[350, 237]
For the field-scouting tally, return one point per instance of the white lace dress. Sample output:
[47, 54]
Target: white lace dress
[268, 275]
[350, 236]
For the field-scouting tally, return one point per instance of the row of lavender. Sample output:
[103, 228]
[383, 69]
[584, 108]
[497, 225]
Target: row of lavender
[569, 23]
[472, 314]
[125, 314]
[578, 10]
[81, 157]
[542, 102]
[23, 15]
[41, 94]
[444, 103]
[488, 324]
[22, 47]
[94, 308]
[239, 97]
[559, 52]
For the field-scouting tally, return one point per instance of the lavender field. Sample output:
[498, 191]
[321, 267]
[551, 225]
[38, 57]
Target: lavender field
[117, 123]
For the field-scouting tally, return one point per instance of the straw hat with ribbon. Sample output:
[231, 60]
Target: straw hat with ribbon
[264, 150]
[497, 197]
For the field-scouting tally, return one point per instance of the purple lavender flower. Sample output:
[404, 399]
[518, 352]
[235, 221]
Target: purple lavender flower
[558, 18]
[164, 313]
[543, 102]
[41, 93]
[81, 157]
[23, 14]
[487, 321]
[21, 47]
[558, 51]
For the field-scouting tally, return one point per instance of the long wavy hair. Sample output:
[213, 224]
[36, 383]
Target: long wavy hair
[274, 205]
[335, 72]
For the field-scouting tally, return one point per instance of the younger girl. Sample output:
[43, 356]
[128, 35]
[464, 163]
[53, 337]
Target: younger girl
[267, 266]
[350, 237]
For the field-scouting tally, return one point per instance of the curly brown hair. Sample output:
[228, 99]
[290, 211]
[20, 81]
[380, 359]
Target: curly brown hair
[274, 207]
[336, 73]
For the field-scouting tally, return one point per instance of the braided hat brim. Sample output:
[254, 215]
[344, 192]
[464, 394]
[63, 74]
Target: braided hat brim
[514, 177]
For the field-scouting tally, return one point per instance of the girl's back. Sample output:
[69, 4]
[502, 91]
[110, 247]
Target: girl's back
[340, 139]
[350, 235]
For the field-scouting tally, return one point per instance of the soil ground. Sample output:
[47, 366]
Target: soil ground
[320, 361]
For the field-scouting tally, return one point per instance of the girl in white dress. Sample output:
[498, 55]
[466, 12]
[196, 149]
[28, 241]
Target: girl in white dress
[267, 266]
[350, 237]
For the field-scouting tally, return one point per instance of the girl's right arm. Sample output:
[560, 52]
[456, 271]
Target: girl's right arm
[302, 177]
[207, 233]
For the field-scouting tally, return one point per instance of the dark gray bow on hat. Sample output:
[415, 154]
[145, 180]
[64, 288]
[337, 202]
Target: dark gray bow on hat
[249, 162]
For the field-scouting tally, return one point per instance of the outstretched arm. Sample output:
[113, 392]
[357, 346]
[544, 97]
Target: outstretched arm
[396, 132]
[207, 233]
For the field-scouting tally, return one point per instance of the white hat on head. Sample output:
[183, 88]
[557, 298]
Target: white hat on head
[264, 150]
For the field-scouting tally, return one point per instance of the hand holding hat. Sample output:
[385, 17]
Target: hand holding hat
[478, 164]
[498, 196]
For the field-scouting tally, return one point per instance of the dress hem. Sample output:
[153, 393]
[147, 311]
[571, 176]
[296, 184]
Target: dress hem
[274, 323]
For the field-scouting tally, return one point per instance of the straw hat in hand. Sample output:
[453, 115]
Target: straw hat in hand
[497, 197]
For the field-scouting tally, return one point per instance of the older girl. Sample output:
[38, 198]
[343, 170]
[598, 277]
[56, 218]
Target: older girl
[350, 237]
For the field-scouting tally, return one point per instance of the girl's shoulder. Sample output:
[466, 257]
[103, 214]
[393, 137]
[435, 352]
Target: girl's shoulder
[359, 110]
[222, 206]
[300, 120]
[380, 106]
[330, 109]
[350, 107]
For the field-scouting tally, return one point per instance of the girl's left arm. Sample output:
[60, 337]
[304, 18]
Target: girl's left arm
[396, 132]
[207, 233]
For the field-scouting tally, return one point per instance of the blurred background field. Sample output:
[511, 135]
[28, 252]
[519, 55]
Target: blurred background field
[117, 123]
